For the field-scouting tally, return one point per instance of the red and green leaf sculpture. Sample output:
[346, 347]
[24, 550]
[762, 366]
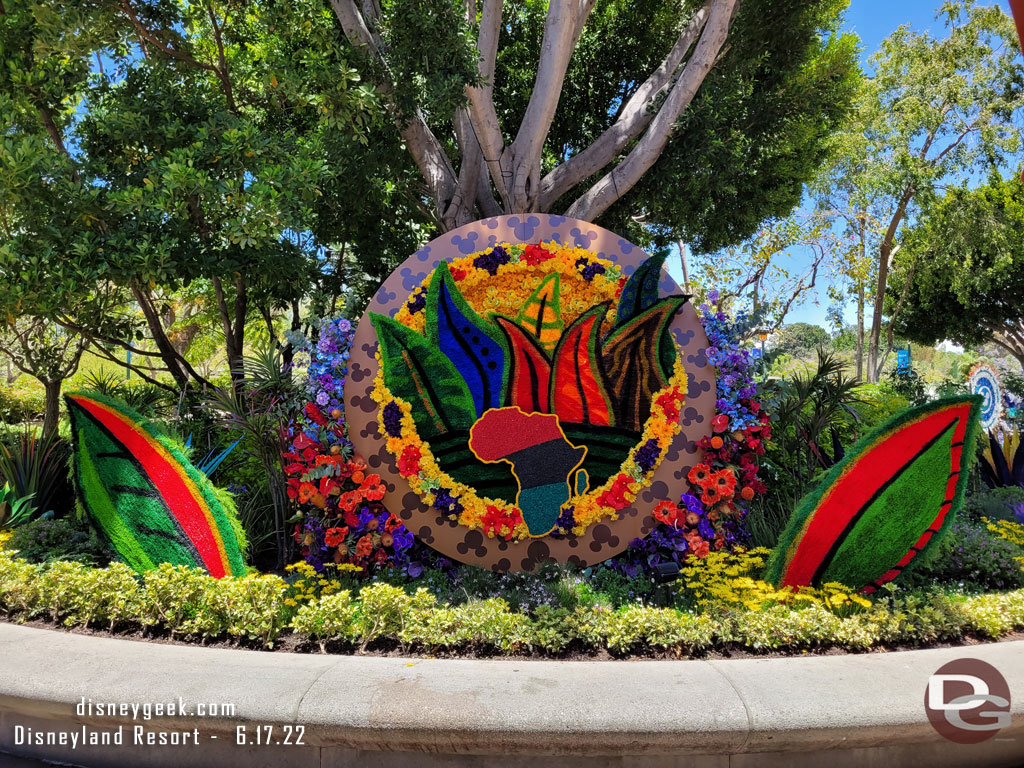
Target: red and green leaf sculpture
[145, 495]
[529, 374]
[892, 496]
[541, 315]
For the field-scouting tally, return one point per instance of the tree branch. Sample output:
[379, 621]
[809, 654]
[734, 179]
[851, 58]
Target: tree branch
[627, 173]
[426, 150]
[636, 114]
[564, 22]
[481, 101]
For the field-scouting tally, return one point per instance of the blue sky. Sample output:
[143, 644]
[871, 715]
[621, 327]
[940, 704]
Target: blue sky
[872, 21]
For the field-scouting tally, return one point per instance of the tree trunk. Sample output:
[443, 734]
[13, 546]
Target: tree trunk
[884, 253]
[860, 331]
[163, 344]
[51, 416]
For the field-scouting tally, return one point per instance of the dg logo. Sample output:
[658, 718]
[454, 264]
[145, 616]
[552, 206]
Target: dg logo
[967, 701]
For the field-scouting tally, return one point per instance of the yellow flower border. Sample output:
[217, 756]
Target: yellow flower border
[587, 509]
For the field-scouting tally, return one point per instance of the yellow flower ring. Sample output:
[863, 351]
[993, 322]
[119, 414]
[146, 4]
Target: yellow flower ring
[491, 531]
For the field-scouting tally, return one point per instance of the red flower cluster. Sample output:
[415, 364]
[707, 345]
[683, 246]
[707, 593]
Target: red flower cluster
[670, 401]
[714, 486]
[534, 255]
[615, 497]
[409, 461]
[501, 523]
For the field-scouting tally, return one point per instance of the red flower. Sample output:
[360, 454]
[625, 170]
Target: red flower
[315, 415]
[666, 512]
[534, 255]
[392, 524]
[501, 522]
[615, 497]
[302, 442]
[711, 495]
[700, 549]
[409, 461]
[669, 402]
[458, 274]
[699, 475]
[349, 499]
[364, 546]
[335, 536]
[724, 481]
[720, 422]
[372, 488]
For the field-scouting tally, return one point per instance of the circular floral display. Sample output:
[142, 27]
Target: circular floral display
[984, 381]
[528, 390]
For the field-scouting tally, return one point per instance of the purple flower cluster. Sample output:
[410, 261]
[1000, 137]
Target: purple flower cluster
[445, 502]
[647, 455]
[565, 523]
[392, 416]
[589, 269]
[734, 364]
[491, 260]
[418, 301]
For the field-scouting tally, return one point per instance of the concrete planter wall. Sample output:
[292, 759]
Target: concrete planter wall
[856, 710]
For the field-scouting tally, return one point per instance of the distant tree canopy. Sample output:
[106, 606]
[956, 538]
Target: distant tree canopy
[962, 270]
[800, 339]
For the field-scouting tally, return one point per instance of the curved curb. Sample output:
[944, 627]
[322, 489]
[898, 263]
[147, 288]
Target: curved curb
[791, 711]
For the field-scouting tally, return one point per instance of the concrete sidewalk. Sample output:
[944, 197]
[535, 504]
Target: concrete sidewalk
[854, 710]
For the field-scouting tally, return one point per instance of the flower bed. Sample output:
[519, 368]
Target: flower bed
[721, 605]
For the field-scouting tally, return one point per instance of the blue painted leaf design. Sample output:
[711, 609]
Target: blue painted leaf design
[417, 372]
[475, 346]
[640, 291]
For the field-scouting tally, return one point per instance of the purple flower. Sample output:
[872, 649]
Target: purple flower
[646, 455]
[392, 416]
[491, 260]
[418, 301]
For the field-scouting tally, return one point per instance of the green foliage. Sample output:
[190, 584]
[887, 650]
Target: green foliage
[188, 603]
[48, 539]
[967, 283]
[993, 503]
[19, 404]
[907, 385]
[800, 339]
[974, 557]
[36, 466]
[14, 509]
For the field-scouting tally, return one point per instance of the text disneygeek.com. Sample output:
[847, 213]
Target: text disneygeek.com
[150, 735]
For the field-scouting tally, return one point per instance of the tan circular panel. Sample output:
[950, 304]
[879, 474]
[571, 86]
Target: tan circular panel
[602, 540]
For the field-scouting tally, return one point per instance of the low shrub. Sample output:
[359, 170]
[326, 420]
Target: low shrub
[254, 609]
[975, 557]
[995, 503]
[20, 404]
[47, 539]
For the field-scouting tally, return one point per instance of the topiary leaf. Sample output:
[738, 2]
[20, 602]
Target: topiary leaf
[891, 497]
[529, 371]
[541, 315]
[475, 346]
[147, 498]
[640, 291]
[424, 377]
[578, 392]
[634, 362]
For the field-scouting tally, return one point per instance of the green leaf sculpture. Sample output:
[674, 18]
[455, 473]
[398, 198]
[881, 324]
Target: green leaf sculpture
[145, 495]
[424, 377]
[893, 496]
[541, 315]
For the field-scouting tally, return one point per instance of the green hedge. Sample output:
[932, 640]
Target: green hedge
[253, 609]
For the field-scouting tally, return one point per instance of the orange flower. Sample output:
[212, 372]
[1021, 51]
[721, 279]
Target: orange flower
[335, 536]
[747, 493]
[711, 495]
[725, 482]
[666, 512]
[716, 442]
[372, 488]
[364, 546]
[306, 491]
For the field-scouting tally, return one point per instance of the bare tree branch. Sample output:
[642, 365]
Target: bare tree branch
[627, 173]
[481, 101]
[635, 115]
[564, 21]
